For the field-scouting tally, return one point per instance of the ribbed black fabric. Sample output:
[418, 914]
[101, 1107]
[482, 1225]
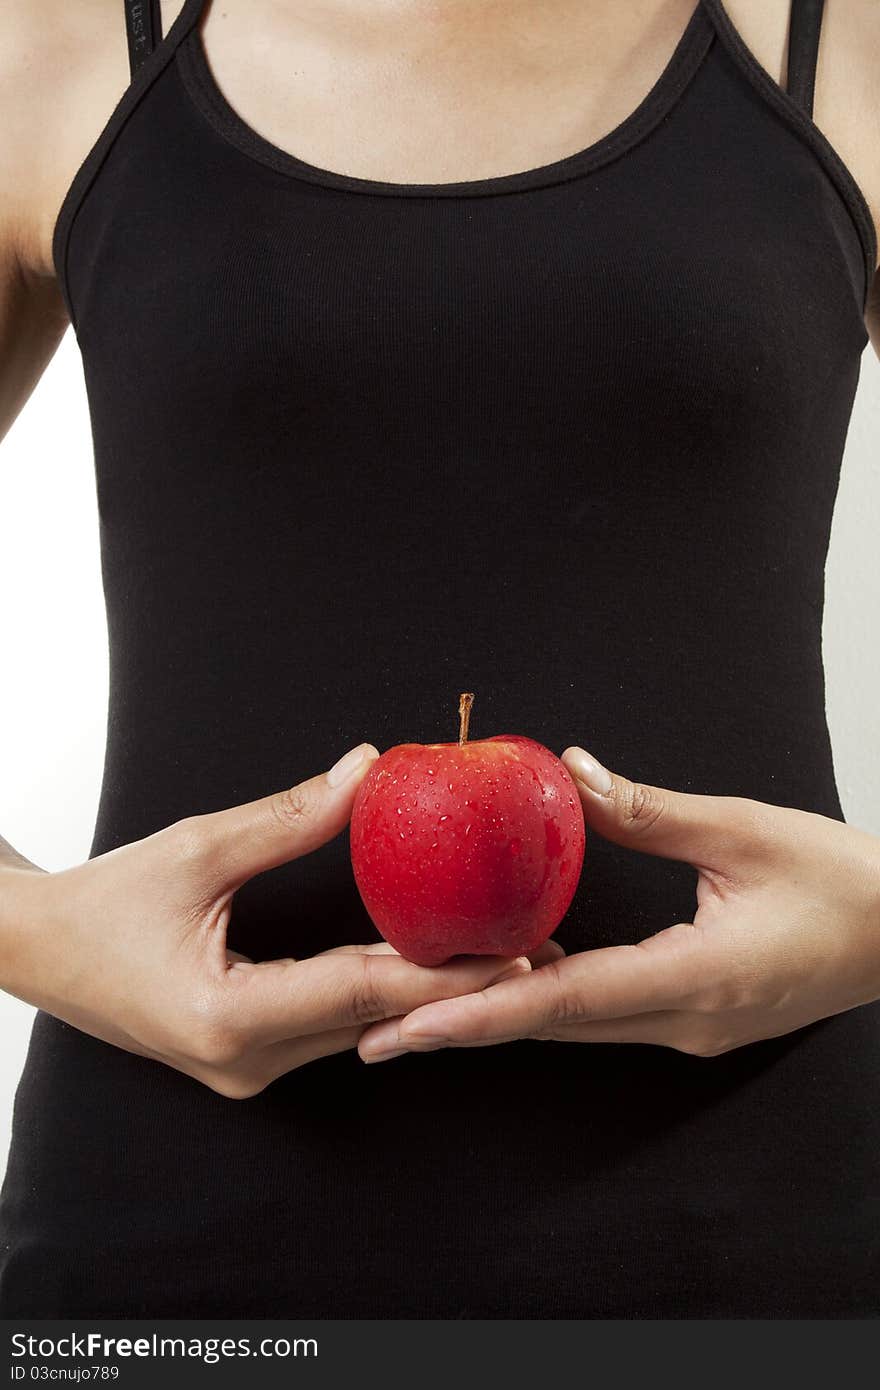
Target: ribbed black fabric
[569, 438]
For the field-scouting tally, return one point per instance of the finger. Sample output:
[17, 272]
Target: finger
[233, 957]
[379, 1042]
[286, 1000]
[373, 948]
[264, 1065]
[695, 1033]
[245, 840]
[611, 982]
[706, 831]
[665, 1028]
[280, 1057]
[547, 952]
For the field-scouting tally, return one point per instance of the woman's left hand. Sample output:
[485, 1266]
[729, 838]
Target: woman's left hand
[787, 931]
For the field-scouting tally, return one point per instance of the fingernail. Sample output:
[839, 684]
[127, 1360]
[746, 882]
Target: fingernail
[385, 1056]
[347, 764]
[521, 966]
[434, 1035]
[588, 771]
[384, 1041]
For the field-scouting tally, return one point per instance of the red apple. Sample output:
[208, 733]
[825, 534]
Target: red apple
[467, 848]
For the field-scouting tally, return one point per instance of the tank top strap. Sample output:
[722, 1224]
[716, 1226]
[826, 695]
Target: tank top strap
[804, 25]
[149, 52]
[143, 29]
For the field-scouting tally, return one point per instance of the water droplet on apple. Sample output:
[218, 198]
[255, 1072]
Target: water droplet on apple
[430, 772]
[467, 829]
[402, 835]
[449, 785]
[444, 818]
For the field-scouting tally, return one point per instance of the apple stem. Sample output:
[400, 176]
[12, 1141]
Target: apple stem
[464, 713]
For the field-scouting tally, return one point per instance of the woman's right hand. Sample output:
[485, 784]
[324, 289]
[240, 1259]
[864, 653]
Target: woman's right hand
[131, 946]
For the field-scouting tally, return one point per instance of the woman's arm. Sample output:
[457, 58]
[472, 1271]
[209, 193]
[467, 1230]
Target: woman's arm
[32, 312]
[33, 317]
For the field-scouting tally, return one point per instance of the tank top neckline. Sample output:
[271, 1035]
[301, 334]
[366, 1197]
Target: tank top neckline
[182, 48]
[680, 68]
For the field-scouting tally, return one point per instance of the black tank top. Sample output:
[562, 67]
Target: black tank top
[569, 438]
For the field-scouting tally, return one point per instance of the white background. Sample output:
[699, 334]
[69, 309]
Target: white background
[53, 667]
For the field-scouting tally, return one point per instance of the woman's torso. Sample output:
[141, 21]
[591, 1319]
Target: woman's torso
[569, 438]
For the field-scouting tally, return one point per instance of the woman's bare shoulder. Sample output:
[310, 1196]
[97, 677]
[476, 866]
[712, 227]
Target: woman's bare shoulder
[846, 101]
[847, 108]
[63, 68]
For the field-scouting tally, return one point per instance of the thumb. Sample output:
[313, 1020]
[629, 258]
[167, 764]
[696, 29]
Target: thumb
[245, 840]
[700, 830]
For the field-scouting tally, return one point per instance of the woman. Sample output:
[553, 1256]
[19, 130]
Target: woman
[528, 373]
